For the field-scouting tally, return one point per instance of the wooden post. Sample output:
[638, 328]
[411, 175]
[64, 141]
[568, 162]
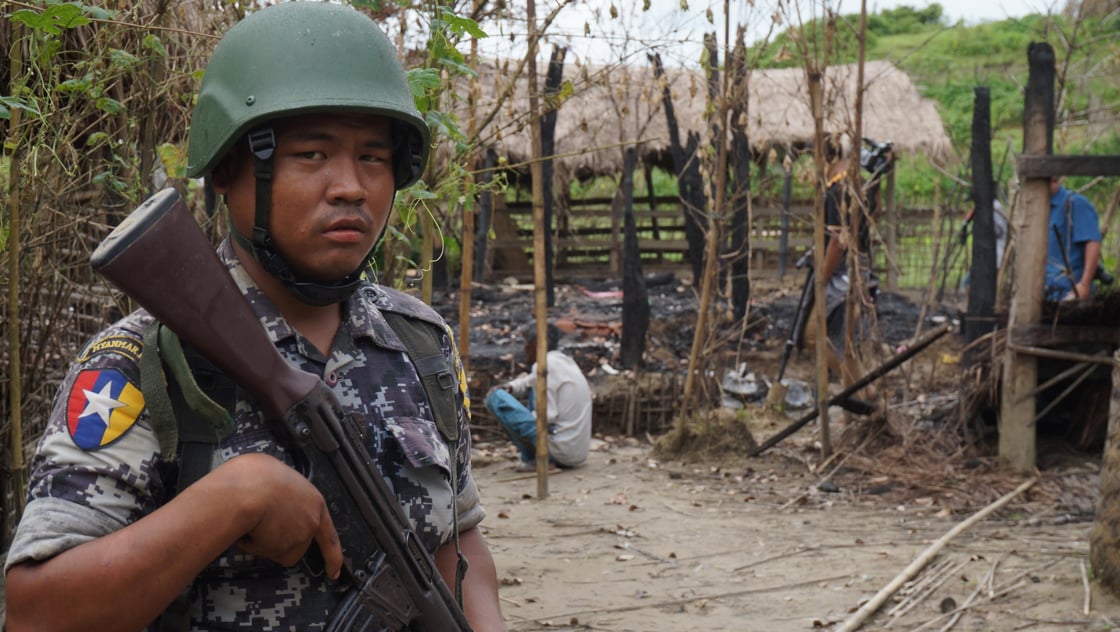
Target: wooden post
[548, 148]
[635, 298]
[1017, 437]
[982, 276]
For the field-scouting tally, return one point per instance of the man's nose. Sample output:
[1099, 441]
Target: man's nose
[345, 181]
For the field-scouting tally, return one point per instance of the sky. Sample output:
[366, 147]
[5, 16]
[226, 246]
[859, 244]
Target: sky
[678, 33]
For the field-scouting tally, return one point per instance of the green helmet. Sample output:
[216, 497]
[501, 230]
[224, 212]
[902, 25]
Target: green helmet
[298, 58]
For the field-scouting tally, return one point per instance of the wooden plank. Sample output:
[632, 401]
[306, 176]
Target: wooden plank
[1045, 166]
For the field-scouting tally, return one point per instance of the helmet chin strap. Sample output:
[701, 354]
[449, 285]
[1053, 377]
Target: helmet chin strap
[262, 143]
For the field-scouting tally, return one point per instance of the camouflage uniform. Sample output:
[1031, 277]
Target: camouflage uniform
[98, 465]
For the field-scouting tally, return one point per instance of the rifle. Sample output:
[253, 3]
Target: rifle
[394, 580]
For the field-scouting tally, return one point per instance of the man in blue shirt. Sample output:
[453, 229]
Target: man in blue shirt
[1074, 248]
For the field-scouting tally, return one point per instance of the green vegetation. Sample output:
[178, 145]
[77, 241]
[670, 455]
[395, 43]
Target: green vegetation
[947, 61]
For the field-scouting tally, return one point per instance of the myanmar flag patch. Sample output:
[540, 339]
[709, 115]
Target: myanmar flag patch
[102, 406]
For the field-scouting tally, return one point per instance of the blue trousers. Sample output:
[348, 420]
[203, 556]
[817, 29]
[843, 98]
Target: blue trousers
[518, 420]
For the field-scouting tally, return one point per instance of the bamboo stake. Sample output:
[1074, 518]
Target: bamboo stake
[856, 620]
[15, 193]
[540, 303]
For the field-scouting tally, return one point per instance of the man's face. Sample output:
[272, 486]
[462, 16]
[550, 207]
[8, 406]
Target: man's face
[332, 191]
[1054, 184]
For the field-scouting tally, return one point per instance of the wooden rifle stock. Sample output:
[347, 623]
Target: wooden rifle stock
[160, 257]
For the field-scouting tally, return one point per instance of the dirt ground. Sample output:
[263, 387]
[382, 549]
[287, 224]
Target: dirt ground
[711, 539]
[630, 542]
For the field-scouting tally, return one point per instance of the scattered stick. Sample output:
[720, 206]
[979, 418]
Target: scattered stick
[869, 608]
[1014, 583]
[961, 609]
[1085, 584]
[774, 557]
[925, 589]
[968, 602]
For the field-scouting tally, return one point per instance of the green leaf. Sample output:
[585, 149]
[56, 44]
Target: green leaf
[15, 103]
[5, 113]
[154, 44]
[459, 24]
[123, 59]
[456, 67]
[98, 13]
[112, 106]
[71, 86]
[174, 160]
[53, 19]
[426, 78]
[96, 138]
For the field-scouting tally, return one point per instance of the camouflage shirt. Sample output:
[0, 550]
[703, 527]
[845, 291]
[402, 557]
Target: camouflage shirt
[98, 465]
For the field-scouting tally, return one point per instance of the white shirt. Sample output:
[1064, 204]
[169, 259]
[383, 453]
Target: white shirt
[569, 408]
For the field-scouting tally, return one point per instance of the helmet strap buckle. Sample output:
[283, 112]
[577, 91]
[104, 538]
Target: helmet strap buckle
[262, 142]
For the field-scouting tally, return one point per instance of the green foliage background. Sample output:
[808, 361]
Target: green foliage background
[949, 60]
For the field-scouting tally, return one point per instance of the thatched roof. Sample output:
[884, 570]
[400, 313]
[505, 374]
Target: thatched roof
[613, 106]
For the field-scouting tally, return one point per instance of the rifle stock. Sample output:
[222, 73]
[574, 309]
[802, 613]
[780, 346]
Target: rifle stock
[160, 257]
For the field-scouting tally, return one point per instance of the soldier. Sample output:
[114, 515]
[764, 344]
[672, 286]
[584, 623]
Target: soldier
[306, 126]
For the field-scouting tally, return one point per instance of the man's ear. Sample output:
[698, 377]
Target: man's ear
[222, 176]
[227, 170]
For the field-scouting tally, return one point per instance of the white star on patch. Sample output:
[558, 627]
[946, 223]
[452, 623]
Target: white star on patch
[101, 404]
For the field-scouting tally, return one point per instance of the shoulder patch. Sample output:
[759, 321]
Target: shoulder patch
[102, 406]
[126, 346]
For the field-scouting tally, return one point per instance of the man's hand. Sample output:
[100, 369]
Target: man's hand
[286, 513]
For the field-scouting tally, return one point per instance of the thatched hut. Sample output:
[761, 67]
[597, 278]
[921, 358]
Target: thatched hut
[610, 107]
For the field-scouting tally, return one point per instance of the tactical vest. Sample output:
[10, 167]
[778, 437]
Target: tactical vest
[190, 401]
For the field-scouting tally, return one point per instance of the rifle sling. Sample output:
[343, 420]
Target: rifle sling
[421, 338]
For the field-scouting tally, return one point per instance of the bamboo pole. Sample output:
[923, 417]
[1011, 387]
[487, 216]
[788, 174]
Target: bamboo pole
[466, 258]
[540, 289]
[856, 620]
[15, 374]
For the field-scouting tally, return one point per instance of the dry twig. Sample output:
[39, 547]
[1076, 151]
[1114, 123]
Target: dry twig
[861, 615]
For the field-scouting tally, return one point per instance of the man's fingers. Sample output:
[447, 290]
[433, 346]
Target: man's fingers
[329, 546]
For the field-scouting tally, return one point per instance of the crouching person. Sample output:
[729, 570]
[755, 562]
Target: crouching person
[568, 405]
